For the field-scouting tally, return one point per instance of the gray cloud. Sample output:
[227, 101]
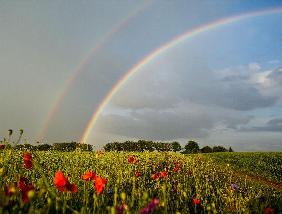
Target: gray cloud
[175, 81]
[236, 121]
[163, 98]
[272, 125]
[157, 125]
[187, 120]
[242, 97]
[276, 76]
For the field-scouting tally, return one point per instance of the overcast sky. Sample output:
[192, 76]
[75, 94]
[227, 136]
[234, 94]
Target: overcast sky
[222, 87]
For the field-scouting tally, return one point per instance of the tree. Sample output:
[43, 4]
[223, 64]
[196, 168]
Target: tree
[10, 132]
[149, 146]
[219, 149]
[20, 136]
[84, 147]
[206, 149]
[109, 147]
[191, 147]
[65, 146]
[230, 149]
[176, 146]
[43, 147]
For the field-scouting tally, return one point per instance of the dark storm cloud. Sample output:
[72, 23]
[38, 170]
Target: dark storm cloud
[273, 125]
[157, 125]
[182, 122]
[242, 97]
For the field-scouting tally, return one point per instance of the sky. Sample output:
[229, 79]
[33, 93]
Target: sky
[60, 59]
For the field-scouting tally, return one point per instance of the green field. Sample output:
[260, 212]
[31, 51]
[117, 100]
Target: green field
[148, 182]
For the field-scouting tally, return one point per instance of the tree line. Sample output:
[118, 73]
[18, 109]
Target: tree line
[130, 146]
[191, 147]
[65, 146]
[143, 145]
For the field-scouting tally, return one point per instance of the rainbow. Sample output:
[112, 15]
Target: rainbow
[80, 67]
[165, 47]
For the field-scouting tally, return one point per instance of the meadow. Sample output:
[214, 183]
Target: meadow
[145, 182]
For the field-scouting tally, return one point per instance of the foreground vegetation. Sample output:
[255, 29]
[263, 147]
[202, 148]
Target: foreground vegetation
[122, 182]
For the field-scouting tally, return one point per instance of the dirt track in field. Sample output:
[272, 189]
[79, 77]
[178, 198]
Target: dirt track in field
[261, 180]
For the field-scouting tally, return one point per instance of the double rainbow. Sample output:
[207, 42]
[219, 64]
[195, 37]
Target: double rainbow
[167, 46]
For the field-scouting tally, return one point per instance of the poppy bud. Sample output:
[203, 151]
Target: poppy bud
[30, 194]
[123, 196]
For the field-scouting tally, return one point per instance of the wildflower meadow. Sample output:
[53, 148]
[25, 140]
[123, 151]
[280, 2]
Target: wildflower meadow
[137, 182]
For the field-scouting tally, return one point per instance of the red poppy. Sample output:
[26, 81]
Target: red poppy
[196, 201]
[62, 183]
[155, 176]
[72, 187]
[22, 183]
[163, 174]
[269, 210]
[2, 146]
[88, 176]
[27, 159]
[9, 190]
[131, 159]
[25, 187]
[100, 184]
[177, 167]
[137, 174]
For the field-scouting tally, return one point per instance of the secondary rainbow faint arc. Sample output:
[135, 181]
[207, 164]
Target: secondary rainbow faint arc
[70, 80]
[170, 44]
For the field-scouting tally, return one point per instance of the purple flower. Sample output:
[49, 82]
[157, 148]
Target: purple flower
[120, 208]
[261, 199]
[150, 207]
[234, 187]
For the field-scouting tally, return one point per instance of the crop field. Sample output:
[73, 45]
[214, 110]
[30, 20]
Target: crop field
[147, 182]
